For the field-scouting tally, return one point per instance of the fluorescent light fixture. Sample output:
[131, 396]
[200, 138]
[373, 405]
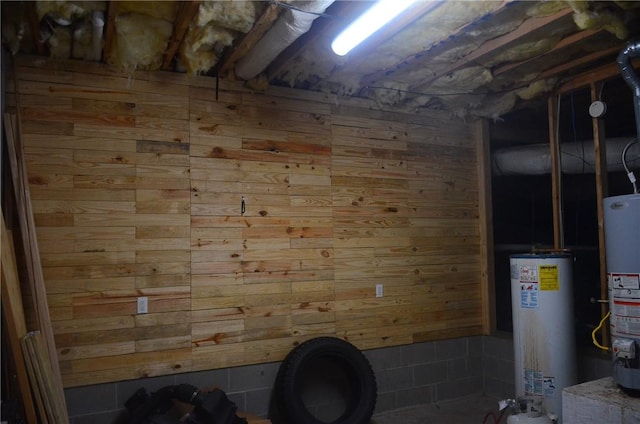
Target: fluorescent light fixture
[368, 23]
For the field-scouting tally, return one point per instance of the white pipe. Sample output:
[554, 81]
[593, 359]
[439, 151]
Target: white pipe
[291, 25]
[576, 158]
[97, 21]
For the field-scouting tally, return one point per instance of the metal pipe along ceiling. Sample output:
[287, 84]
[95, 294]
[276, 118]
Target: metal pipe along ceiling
[576, 158]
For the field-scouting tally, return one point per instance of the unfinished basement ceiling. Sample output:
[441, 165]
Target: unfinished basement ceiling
[472, 58]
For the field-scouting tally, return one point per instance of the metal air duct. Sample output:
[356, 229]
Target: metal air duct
[576, 158]
[626, 70]
[291, 25]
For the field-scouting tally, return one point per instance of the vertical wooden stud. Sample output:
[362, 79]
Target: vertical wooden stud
[556, 177]
[485, 207]
[599, 144]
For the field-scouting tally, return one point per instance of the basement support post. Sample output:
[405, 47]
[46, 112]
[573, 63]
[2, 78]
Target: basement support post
[599, 144]
[485, 209]
[556, 178]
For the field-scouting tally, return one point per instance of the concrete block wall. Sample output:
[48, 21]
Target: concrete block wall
[406, 375]
[427, 372]
[249, 387]
[498, 366]
[594, 365]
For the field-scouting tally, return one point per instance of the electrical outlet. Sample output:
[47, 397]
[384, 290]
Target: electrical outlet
[379, 290]
[143, 305]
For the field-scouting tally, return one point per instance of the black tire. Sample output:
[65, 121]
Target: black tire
[362, 390]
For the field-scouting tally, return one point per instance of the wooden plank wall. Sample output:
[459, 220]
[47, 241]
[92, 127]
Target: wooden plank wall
[138, 184]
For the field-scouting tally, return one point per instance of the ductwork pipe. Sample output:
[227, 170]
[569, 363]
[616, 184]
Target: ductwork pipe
[576, 158]
[626, 69]
[291, 25]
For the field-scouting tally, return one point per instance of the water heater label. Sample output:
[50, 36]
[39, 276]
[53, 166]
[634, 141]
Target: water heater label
[527, 273]
[528, 295]
[626, 326]
[625, 293]
[529, 287]
[624, 281]
[533, 382]
[549, 277]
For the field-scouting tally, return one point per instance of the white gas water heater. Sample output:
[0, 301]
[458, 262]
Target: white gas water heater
[622, 235]
[622, 241]
[543, 335]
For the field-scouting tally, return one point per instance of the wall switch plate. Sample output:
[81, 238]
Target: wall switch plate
[379, 290]
[143, 305]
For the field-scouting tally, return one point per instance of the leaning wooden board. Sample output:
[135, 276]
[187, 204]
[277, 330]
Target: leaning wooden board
[138, 186]
[13, 315]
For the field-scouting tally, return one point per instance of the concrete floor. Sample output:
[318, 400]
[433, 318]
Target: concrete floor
[468, 410]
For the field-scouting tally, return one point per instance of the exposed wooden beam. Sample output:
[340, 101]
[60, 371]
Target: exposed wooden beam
[187, 11]
[110, 31]
[556, 175]
[487, 276]
[34, 24]
[578, 62]
[499, 44]
[269, 15]
[565, 42]
[602, 191]
[596, 75]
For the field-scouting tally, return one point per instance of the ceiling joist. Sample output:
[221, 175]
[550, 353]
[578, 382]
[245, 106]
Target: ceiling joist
[500, 44]
[602, 73]
[34, 24]
[250, 39]
[593, 57]
[564, 43]
[110, 31]
[187, 12]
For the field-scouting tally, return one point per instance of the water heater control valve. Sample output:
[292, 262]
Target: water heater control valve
[624, 348]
